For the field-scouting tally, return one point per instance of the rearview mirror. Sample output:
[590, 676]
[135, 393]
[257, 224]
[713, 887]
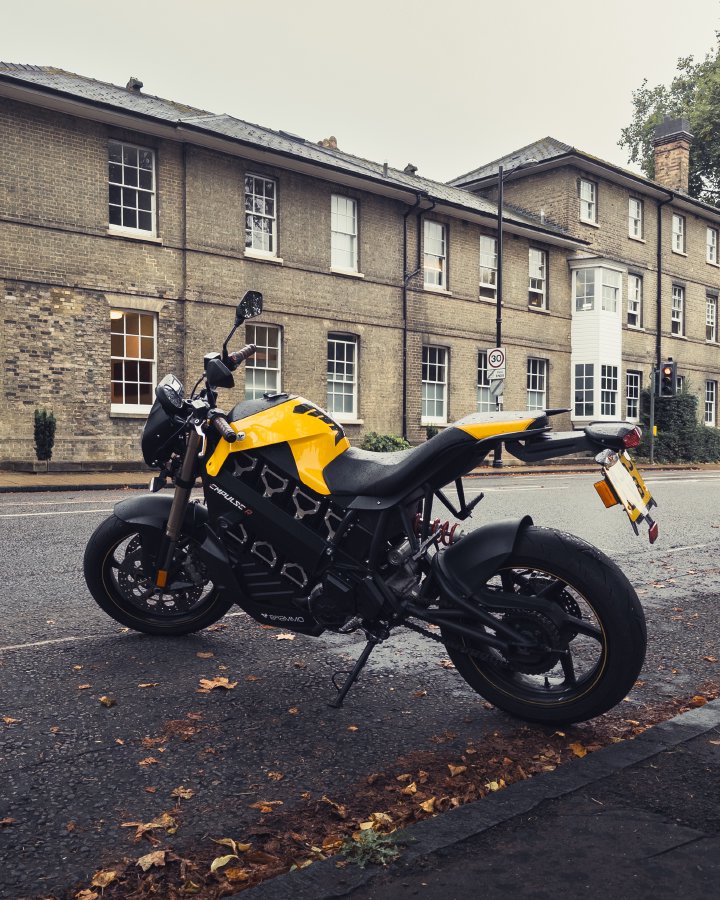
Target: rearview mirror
[250, 306]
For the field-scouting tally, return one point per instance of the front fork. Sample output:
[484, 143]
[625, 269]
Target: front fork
[183, 487]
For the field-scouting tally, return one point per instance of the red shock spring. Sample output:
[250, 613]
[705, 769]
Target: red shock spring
[445, 529]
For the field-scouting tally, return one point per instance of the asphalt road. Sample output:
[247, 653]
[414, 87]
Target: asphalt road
[72, 771]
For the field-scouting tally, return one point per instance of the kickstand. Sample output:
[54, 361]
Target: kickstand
[353, 675]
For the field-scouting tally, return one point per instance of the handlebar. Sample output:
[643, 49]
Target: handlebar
[220, 423]
[234, 359]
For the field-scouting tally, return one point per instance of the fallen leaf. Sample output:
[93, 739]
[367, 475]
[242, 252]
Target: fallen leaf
[456, 770]
[86, 894]
[366, 826]
[275, 776]
[165, 820]
[235, 846]
[104, 878]
[70, 827]
[84, 687]
[252, 678]
[493, 785]
[710, 658]
[447, 664]
[148, 684]
[420, 694]
[266, 806]
[428, 805]
[119, 741]
[8, 720]
[182, 793]
[332, 842]
[7, 822]
[406, 777]
[293, 710]
[209, 684]
[422, 776]
[352, 728]
[149, 761]
[285, 637]
[381, 818]
[156, 858]
[714, 743]
[77, 668]
[337, 808]
[410, 788]
[235, 875]
[107, 701]
[150, 790]
[221, 861]
[697, 701]
[578, 749]
[204, 654]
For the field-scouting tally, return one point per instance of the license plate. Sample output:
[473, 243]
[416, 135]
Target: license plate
[629, 489]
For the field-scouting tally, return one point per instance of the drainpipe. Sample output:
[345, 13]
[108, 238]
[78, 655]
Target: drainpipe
[406, 279]
[658, 300]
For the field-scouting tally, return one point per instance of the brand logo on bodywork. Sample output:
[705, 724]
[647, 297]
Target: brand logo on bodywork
[229, 497]
[299, 619]
[306, 409]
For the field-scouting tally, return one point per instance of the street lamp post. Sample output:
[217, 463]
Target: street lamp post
[502, 175]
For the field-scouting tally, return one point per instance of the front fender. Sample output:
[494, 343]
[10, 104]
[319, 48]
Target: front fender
[152, 511]
[465, 566]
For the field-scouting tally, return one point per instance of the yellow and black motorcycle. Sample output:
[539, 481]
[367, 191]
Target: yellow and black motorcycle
[305, 532]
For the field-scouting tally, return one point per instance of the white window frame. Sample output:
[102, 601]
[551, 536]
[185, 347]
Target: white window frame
[678, 233]
[488, 267]
[677, 312]
[635, 218]
[342, 375]
[485, 400]
[712, 246]
[585, 280]
[260, 376]
[680, 382]
[260, 210]
[584, 388]
[608, 390]
[536, 383]
[633, 389]
[128, 193]
[343, 233]
[435, 255]
[711, 311]
[130, 357]
[537, 278]
[634, 301]
[587, 192]
[710, 418]
[610, 289]
[434, 385]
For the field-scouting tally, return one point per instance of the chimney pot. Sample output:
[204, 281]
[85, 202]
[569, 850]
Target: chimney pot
[410, 169]
[134, 85]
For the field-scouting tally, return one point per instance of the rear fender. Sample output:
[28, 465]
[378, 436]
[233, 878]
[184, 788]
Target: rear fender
[463, 568]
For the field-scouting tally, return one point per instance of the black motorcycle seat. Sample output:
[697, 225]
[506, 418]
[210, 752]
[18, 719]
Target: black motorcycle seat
[368, 473]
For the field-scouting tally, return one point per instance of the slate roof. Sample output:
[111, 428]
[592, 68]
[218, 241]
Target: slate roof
[544, 149]
[77, 87]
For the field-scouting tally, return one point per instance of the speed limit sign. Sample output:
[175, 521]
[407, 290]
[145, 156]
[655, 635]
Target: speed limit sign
[496, 363]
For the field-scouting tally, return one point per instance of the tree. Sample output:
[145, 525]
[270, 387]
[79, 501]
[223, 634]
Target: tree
[693, 94]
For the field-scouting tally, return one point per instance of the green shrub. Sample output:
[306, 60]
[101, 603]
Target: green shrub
[680, 437]
[44, 434]
[383, 443]
[431, 431]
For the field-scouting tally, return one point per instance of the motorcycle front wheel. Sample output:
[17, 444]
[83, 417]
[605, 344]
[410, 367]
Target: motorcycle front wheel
[120, 577]
[578, 669]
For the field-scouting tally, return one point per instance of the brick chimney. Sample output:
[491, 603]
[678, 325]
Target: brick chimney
[672, 141]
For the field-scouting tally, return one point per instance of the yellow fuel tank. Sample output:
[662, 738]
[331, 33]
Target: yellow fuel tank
[313, 437]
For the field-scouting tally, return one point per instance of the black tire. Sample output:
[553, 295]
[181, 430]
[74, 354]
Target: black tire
[115, 577]
[547, 687]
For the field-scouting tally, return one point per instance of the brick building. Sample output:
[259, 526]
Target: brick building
[645, 288]
[131, 225]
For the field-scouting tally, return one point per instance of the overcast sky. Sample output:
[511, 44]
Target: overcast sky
[446, 85]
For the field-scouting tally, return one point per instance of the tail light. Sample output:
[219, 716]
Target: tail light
[633, 438]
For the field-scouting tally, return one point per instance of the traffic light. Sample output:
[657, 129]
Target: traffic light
[667, 379]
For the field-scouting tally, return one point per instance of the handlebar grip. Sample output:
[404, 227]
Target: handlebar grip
[221, 425]
[241, 355]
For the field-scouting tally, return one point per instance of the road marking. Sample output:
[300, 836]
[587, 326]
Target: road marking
[27, 502]
[88, 637]
[59, 512]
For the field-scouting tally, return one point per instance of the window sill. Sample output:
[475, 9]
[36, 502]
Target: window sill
[126, 412]
[713, 264]
[343, 421]
[349, 273]
[711, 343]
[435, 289]
[640, 240]
[487, 299]
[538, 309]
[134, 235]
[678, 337]
[590, 222]
[679, 252]
[440, 423]
[636, 328]
[262, 256]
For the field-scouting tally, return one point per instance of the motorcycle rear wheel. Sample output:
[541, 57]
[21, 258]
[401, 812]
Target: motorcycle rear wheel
[115, 576]
[587, 666]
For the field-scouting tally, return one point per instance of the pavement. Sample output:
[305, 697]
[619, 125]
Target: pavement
[637, 819]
